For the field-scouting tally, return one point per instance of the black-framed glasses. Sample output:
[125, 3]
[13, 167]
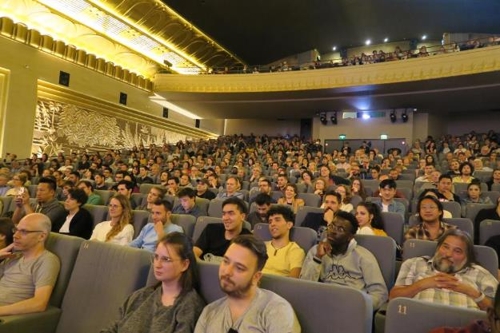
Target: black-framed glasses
[24, 232]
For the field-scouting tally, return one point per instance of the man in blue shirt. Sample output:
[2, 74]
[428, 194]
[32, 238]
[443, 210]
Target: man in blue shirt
[161, 225]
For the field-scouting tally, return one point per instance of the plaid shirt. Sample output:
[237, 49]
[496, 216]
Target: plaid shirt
[420, 232]
[415, 269]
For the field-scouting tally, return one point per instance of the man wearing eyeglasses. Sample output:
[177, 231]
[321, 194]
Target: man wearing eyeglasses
[431, 226]
[28, 272]
[339, 260]
[246, 307]
[450, 277]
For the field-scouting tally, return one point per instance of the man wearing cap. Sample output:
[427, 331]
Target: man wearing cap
[202, 189]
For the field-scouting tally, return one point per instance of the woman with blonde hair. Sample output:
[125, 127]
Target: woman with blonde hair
[17, 183]
[290, 198]
[119, 230]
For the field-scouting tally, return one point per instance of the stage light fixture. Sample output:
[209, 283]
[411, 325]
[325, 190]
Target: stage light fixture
[404, 116]
[393, 116]
[333, 118]
[322, 118]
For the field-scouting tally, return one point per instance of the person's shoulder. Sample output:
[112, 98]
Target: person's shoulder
[271, 299]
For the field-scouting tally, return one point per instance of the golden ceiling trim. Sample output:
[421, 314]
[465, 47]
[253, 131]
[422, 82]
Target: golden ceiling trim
[475, 61]
[58, 93]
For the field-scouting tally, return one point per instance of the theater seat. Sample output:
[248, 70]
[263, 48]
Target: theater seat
[415, 316]
[186, 221]
[103, 277]
[66, 248]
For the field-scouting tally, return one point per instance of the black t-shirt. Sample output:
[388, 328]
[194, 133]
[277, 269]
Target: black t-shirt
[207, 195]
[212, 239]
[316, 222]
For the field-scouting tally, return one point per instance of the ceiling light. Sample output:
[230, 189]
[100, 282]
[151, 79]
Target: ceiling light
[334, 48]
[393, 116]
[368, 42]
[386, 40]
[365, 116]
[424, 37]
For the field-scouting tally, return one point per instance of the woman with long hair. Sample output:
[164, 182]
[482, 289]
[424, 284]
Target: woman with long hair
[173, 305]
[357, 188]
[290, 198]
[119, 230]
[345, 194]
[369, 219]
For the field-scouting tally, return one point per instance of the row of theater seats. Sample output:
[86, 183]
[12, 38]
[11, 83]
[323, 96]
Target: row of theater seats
[84, 301]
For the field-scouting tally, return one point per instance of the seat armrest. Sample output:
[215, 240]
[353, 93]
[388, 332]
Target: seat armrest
[40, 322]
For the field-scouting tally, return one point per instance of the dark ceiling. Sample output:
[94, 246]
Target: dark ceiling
[263, 31]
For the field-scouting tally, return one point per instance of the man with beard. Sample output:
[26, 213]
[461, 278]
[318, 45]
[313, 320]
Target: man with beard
[28, 271]
[319, 221]
[450, 277]
[263, 204]
[339, 260]
[246, 307]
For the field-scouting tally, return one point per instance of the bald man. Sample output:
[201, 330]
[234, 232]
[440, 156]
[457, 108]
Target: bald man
[28, 275]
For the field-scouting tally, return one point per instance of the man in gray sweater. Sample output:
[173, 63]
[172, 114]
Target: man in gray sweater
[338, 259]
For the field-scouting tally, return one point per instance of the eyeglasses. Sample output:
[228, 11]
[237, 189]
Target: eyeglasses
[163, 260]
[428, 207]
[333, 227]
[24, 232]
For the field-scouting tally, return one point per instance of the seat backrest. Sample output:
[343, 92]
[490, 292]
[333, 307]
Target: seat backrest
[463, 224]
[407, 192]
[488, 228]
[6, 201]
[139, 220]
[66, 248]
[203, 204]
[138, 198]
[105, 195]
[302, 213]
[215, 208]
[99, 213]
[495, 187]
[209, 281]
[304, 237]
[310, 199]
[485, 255]
[201, 224]
[144, 188]
[394, 226]
[329, 314]
[414, 316]
[103, 277]
[186, 221]
[453, 207]
[32, 190]
[384, 250]
[472, 209]
[404, 183]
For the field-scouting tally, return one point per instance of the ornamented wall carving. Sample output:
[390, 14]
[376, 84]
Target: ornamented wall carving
[61, 126]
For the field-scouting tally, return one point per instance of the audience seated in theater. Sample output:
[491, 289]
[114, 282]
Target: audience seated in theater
[444, 189]
[495, 179]
[187, 203]
[427, 176]
[290, 198]
[434, 193]
[216, 237]
[29, 291]
[263, 203]
[155, 193]
[143, 176]
[173, 186]
[99, 182]
[4, 187]
[369, 219]
[233, 187]
[320, 186]
[357, 188]
[285, 257]
[319, 221]
[474, 194]
[282, 181]
[466, 171]
[246, 307]
[78, 220]
[339, 260]
[185, 181]
[264, 187]
[430, 214]
[88, 188]
[125, 188]
[345, 198]
[450, 277]
[17, 182]
[6, 232]
[488, 214]
[171, 306]
[387, 193]
[158, 225]
[202, 191]
[119, 230]
[46, 204]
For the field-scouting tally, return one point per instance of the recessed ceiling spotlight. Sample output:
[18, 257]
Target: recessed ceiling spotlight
[334, 48]
[386, 40]
[368, 42]
[424, 37]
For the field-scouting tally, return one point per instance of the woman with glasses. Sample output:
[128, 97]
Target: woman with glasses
[119, 230]
[78, 221]
[17, 183]
[173, 305]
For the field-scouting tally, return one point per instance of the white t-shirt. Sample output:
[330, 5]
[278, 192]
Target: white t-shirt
[123, 238]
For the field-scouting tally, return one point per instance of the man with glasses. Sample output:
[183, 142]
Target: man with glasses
[431, 226]
[450, 277]
[159, 226]
[246, 307]
[28, 275]
[46, 203]
[339, 260]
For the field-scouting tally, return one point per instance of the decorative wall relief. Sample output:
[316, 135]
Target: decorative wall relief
[61, 127]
